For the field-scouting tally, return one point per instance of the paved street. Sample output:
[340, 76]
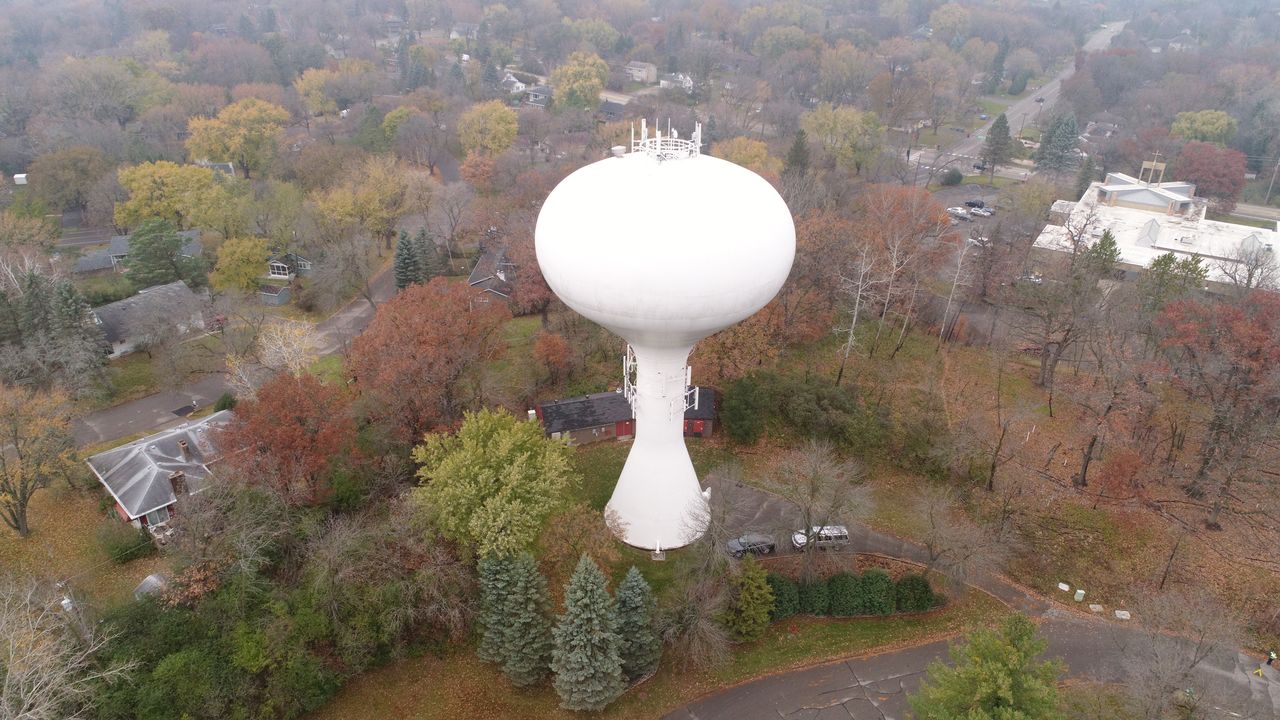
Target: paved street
[1024, 111]
[875, 687]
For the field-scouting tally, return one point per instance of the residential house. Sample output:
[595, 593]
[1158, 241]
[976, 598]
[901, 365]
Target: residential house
[539, 96]
[676, 80]
[513, 85]
[493, 273]
[1150, 219]
[225, 168]
[117, 251]
[608, 415]
[130, 323]
[464, 31]
[393, 23]
[149, 478]
[610, 111]
[286, 266]
[641, 72]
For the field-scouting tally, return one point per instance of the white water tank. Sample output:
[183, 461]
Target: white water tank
[663, 246]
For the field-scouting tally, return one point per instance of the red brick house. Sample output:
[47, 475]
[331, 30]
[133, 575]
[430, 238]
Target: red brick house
[608, 416]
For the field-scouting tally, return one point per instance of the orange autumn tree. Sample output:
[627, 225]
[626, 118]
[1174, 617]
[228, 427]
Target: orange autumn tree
[288, 436]
[551, 351]
[417, 365]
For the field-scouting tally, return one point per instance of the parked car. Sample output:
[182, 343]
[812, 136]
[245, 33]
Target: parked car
[1040, 99]
[974, 203]
[959, 213]
[754, 543]
[984, 116]
[824, 538]
[982, 212]
[1030, 279]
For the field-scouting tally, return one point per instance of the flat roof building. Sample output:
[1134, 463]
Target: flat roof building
[1151, 219]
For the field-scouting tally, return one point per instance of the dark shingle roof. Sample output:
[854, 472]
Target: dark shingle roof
[607, 408]
[117, 318]
[119, 245]
[137, 474]
[493, 272]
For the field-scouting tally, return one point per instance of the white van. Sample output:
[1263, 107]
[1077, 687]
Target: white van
[825, 537]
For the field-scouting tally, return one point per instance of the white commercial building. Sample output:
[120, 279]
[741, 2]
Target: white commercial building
[1151, 219]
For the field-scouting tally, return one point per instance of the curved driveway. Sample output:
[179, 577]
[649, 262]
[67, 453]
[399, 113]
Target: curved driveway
[875, 687]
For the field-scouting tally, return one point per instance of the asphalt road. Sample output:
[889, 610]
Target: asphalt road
[875, 687]
[1026, 110]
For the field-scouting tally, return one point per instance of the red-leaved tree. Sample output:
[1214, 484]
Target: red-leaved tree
[417, 365]
[1227, 355]
[288, 436]
[1217, 172]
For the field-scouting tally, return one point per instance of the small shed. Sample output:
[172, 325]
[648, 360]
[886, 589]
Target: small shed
[273, 294]
[608, 415]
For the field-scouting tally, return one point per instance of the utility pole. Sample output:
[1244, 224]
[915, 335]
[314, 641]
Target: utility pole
[1272, 184]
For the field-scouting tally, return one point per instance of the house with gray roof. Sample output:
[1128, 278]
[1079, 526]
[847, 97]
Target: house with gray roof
[608, 415]
[148, 477]
[493, 273]
[113, 256]
[134, 321]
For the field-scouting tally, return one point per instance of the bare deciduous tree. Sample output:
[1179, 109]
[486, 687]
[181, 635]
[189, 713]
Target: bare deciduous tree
[1175, 660]
[823, 490]
[956, 547]
[49, 669]
[1250, 264]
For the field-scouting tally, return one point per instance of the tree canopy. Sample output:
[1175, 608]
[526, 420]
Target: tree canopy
[243, 133]
[491, 485]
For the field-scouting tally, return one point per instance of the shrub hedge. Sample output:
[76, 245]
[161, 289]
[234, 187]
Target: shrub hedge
[913, 593]
[786, 597]
[843, 589]
[814, 598]
[875, 593]
[123, 542]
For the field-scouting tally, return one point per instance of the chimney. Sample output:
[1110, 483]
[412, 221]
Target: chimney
[178, 480]
[185, 448]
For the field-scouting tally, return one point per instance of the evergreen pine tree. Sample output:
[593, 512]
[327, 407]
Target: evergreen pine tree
[751, 602]
[999, 146]
[78, 339]
[1058, 144]
[798, 155]
[586, 662]
[430, 258]
[641, 647]
[1088, 173]
[997, 67]
[527, 628]
[408, 265]
[37, 302]
[495, 576]
[996, 675]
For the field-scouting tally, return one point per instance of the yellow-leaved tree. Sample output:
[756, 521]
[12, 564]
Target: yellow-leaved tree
[750, 154]
[243, 133]
[163, 190]
[241, 261]
[579, 80]
[488, 128]
[35, 429]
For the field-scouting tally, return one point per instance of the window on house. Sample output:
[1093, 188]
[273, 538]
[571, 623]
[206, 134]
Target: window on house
[278, 269]
[158, 517]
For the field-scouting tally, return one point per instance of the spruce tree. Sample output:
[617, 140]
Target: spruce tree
[798, 155]
[641, 647]
[999, 146]
[527, 623]
[996, 675]
[1088, 173]
[751, 603]
[495, 577]
[429, 257]
[408, 266]
[37, 301]
[1058, 144]
[586, 661]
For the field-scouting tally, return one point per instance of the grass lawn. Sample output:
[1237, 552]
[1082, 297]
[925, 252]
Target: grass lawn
[1000, 182]
[1241, 220]
[128, 378]
[63, 546]
[329, 369]
[459, 685]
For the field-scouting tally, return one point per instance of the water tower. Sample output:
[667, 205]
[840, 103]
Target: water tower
[663, 246]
